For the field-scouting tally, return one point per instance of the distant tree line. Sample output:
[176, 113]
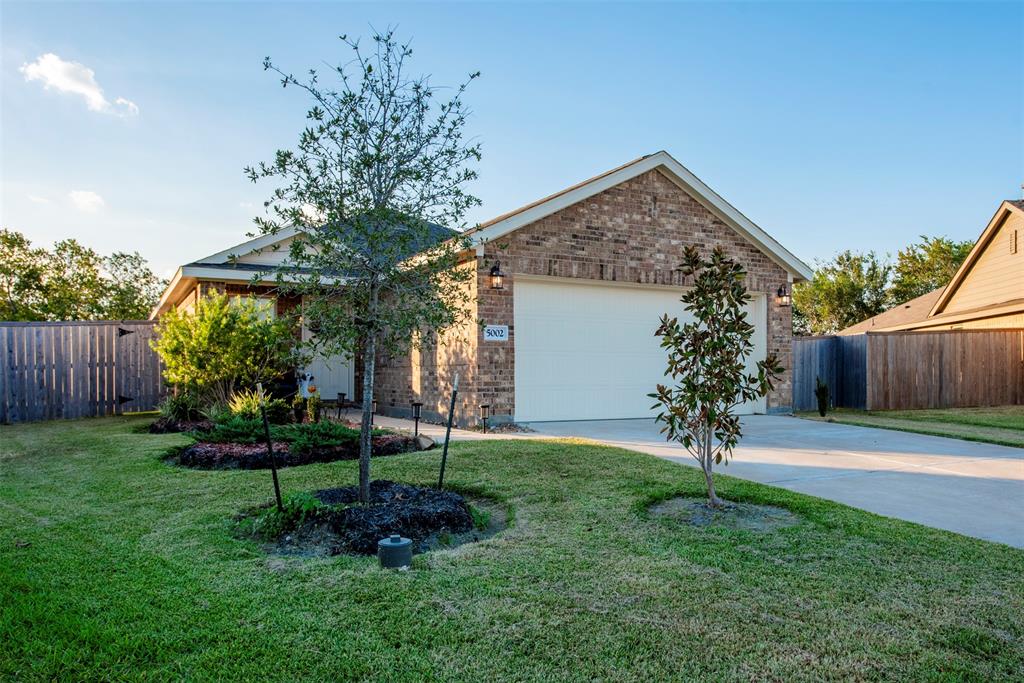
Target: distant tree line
[854, 286]
[72, 282]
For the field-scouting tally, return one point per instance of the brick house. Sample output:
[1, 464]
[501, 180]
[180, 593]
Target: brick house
[586, 274]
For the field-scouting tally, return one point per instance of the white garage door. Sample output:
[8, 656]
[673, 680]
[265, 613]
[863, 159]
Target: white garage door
[588, 351]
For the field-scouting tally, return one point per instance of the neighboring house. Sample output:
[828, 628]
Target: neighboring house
[586, 275]
[987, 292]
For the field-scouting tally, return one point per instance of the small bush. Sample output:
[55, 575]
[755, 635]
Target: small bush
[821, 393]
[308, 437]
[246, 405]
[313, 406]
[298, 507]
[183, 407]
[235, 429]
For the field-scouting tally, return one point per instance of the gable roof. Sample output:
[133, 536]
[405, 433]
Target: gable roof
[677, 173]
[913, 311]
[1004, 210]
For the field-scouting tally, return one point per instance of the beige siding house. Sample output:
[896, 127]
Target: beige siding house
[987, 292]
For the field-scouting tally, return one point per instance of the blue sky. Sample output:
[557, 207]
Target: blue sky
[832, 126]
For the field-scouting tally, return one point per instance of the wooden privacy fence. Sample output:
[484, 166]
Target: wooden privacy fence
[840, 362]
[52, 370]
[912, 370]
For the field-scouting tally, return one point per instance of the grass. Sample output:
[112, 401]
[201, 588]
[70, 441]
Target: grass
[1003, 425]
[116, 566]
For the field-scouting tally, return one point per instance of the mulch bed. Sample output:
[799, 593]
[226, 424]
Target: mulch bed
[432, 518]
[168, 425]
[245, 456]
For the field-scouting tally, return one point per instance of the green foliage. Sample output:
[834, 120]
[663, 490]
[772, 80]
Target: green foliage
[222, 344]
[378, 177]
[72, 282]
[313, 406]
[706, 362]
[853, 287]
[303, 438]
[297, 508]
[821, 393]
[925, 266]
[236, 429]
[308, 437]
[182, 406]
[22, 272]
[245, 404]
[844, 291]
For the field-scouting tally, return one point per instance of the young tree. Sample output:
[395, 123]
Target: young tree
[844, 291]
[706, 363]
[925, 266]
[380, 167]
[221, 345]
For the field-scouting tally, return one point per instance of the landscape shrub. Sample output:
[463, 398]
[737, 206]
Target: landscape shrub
[313, 406]
[246, 404]
[183, 406]
[225, 342]
[306, 438]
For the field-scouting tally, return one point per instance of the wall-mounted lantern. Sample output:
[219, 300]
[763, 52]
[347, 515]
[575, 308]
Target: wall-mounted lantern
[485, 413]
[497, 277]
[416, 405]
[782, 296]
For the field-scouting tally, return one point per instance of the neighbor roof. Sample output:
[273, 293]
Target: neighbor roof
[676, 172]
[915, 310]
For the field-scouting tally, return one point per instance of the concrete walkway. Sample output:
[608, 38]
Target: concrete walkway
[970, 488]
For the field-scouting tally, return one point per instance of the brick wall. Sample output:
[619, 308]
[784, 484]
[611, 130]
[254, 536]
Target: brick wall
[632, 233]
[427, 372]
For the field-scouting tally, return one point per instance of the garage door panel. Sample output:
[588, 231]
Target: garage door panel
[586, 351]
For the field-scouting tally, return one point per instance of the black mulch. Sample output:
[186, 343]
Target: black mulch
[223, 456]
[416, 513]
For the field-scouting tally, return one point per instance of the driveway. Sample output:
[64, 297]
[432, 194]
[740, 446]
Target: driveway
[970, 488]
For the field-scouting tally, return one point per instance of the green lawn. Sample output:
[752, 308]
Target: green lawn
[116, 566]
[1002, 425]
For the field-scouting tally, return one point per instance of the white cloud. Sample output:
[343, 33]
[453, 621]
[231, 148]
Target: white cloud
[86, 201]
[36, 199]
[77, 79]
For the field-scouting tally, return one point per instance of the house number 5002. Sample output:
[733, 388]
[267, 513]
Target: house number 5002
[496, 333]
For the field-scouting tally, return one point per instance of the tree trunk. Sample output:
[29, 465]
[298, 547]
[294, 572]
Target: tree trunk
[365, 440]
[365, 431]
[706, 463]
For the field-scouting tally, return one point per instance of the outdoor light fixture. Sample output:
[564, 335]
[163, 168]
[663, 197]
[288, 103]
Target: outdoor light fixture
[782, 296]
[341, 402]
[373, 410]
[497, 277]
[416, 405]
[485, 412]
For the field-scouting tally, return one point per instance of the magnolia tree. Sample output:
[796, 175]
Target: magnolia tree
[380, 167]
[707, 364]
